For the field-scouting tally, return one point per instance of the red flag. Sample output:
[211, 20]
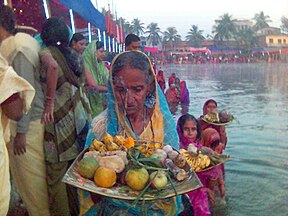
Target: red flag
[121, 31]
[108, 21]
[118, 34]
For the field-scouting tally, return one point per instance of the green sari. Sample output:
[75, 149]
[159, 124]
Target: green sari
[100, 74]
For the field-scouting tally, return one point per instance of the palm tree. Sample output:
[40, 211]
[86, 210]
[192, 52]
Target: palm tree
[261, 21]
[225, 28]
[194, 36]
[137, 27]
[127, 28]
[247, 39]
[284, 25]
[171, 36]
[153, 31]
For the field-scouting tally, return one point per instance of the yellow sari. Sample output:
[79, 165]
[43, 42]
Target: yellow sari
[10, 83]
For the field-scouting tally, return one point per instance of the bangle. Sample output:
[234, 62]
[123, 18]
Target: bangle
[49, 98]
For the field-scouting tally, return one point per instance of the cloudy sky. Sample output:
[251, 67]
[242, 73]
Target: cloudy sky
[184, 13]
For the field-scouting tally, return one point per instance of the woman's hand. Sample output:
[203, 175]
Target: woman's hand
[48, 116]
[19, 144]
[222, 191]
[211, 196]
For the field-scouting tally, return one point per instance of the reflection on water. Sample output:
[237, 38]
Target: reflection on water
[257, 94]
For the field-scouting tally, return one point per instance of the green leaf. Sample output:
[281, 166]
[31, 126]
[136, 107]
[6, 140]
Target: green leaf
[149, 160]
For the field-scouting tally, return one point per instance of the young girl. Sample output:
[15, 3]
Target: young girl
[189, 132]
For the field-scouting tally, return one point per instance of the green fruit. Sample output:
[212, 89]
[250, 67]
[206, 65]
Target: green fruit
[87, 167]
[137, 178]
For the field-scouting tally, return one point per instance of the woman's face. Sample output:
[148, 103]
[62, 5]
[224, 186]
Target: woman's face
[79, 46]
[100, 54]
[131, 83]
[211, 107]
[190, 130]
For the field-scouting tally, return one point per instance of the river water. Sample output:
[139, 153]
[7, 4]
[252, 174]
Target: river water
[257, 95]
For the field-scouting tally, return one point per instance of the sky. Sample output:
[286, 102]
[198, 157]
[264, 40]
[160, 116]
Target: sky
[184, 13]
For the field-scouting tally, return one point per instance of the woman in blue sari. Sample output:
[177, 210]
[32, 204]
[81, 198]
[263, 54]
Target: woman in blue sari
[136, 109]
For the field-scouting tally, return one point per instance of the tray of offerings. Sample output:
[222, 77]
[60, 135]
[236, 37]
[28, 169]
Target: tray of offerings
[124, 168]
[219, 119]
[203, 159]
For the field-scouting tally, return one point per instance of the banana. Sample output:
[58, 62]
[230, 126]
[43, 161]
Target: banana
[119, 140]
[112, 146]
[107, 138]
[97, 144]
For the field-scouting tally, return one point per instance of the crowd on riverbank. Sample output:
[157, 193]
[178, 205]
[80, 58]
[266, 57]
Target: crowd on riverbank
[223, 58]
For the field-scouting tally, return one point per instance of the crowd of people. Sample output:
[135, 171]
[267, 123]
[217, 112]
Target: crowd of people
[74, 97]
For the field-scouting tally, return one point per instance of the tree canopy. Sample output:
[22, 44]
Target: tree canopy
[195, 36]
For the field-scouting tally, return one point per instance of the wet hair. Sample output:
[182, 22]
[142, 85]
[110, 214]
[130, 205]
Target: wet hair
[188, 117]
[209, 101]
[131, 38]
[76, 37]
[55, 32]
[135, 60]
[99, 45]
[7, 19]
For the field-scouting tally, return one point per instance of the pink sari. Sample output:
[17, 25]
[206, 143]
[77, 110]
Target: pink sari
[199, 197]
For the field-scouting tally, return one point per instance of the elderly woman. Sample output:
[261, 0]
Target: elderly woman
[135, 109]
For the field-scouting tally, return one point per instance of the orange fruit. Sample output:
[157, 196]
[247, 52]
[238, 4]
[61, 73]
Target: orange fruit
[105, 177]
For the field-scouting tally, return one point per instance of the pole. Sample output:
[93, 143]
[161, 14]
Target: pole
[113, 44]
[72, 20]
[104, 40]
[109, 44]
[46, 9]
[89, 32]
[99, 34]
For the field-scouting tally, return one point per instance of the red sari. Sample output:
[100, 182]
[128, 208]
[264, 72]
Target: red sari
[204, 125]
[161, 79]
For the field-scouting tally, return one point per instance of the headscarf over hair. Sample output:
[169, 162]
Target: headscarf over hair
[184, 93]
[97, 69]
[185, 141]
[210, 136]
[205, 106]
[99, 73]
